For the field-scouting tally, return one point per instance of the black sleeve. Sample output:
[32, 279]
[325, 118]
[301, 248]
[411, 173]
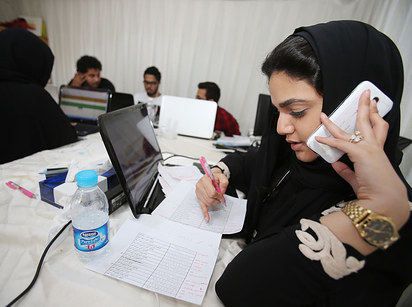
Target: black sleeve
[104, 83]
[241, 166]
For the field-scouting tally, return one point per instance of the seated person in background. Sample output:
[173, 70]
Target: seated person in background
[31, 120]
[151, 82]
[225, 122]
[303, 247]
[88, 74]
[151, 96]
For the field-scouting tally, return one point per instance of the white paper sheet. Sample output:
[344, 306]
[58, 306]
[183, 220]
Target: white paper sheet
[183, 206]
[170, 176]
[162, 256]
[235, 140]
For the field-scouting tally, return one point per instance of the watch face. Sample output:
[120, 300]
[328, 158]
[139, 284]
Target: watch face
[379, 231]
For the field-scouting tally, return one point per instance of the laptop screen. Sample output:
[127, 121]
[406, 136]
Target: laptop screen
[83, 105]
[134, 152]
[120, 100]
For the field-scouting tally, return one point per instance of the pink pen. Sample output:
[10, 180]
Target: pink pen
[15, 186]
[208, 172]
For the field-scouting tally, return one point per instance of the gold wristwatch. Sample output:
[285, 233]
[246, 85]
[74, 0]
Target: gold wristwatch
[377, 230]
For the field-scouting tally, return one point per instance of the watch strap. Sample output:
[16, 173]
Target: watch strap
[355, 212]
[365, 222]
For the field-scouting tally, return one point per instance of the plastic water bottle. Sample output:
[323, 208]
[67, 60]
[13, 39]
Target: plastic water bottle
[90, 217]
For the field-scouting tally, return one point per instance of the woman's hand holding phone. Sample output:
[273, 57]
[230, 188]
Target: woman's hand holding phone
[345, 116]
[374, 180]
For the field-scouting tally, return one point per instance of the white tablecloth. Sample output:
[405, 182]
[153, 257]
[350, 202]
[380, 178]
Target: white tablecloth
[63, 281]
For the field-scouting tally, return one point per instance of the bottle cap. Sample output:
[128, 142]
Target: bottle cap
[86, 179]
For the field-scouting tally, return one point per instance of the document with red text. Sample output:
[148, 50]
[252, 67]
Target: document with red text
[163, 256]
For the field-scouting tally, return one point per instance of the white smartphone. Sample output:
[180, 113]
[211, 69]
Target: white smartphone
[344, 116]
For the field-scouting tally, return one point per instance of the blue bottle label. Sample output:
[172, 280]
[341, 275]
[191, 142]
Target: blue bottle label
[91, 240]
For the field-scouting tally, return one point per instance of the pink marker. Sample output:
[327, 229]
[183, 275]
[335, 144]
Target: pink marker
[15, 186]
[208, 172]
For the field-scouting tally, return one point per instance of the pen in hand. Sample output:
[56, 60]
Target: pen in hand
[209, 173]
[15, 186]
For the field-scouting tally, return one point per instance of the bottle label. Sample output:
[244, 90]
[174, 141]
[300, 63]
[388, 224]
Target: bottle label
[91, 240]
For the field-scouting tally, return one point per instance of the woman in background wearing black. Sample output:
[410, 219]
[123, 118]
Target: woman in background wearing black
[30, 120]
[303, 249]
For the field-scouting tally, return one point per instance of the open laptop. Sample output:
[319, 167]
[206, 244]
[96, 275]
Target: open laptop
[83, 106]
[119, 101]
[133, 149]
[188, 116]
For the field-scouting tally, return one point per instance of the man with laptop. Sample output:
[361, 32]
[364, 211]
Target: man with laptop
[88, 74]
[225, 122]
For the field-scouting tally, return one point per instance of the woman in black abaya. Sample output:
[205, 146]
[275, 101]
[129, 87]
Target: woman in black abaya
[303, 250]
[30, 120]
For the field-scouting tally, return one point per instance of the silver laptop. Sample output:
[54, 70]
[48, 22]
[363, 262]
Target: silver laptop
[188, 116]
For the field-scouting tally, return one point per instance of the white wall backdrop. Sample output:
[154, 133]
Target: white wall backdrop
[190, 41]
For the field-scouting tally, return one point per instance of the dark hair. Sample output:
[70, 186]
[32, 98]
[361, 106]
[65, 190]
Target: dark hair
[86, 62]
[296, 58]
[153, 71]
[212, 90]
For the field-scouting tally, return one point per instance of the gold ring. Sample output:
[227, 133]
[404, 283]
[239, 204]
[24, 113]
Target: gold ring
[356, 137]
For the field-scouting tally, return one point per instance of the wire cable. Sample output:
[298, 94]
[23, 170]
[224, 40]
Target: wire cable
[176, 155]
[39, 265]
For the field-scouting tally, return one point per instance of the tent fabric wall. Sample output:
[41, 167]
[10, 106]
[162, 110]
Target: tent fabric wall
[191, 41]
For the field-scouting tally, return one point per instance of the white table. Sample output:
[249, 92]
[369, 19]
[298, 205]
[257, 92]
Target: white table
[189, 146]
[63, 281]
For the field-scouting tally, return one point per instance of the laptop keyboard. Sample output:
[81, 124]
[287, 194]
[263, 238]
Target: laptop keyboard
[85, 129]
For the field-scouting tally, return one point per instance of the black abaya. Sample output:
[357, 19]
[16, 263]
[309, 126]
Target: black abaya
[273, 270]
[31, 120]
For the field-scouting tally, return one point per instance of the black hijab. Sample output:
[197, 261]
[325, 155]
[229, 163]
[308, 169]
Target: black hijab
[24, 57]
[30, 119]
[348, 52]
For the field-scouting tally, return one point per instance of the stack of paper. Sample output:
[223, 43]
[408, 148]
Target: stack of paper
[235, 141]
[162, 256]
[174, 250]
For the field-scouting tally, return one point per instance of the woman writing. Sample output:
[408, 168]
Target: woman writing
[304, 248]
